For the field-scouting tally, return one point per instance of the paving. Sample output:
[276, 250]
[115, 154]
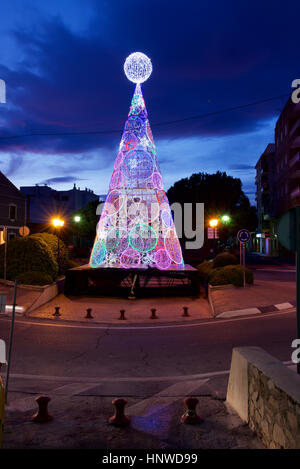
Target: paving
[107, 310]
[25, 295]
[81, 411]
[264, 296]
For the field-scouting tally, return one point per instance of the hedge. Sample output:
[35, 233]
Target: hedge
[34, 278]
[52, 241]
[29, 253]
[225, 258]
[231, 274]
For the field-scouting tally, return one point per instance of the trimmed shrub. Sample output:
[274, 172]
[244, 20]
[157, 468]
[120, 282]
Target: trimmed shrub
[34, 278]
[231, 274]
[52, 241]
[205, 270]
[28, 254]
[223, 259]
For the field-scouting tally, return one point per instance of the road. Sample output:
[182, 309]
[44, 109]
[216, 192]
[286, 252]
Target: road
[80, 351]
[273, 273]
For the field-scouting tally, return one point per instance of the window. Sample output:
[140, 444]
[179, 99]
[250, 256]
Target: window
[12, 212]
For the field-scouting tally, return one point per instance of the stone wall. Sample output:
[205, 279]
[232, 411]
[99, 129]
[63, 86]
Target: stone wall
[273, 414]
[266, 394]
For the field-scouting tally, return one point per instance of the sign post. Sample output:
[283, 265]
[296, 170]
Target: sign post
[2, 390]
[5, 251]
[288, 230]
[11, 334]
[243, 237]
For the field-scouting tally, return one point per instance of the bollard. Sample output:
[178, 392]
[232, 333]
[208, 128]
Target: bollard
[185, 312]
[42, 415]
[89, 314]
[57, 313]
[153, 314]
[190, 416]
[122, 315]
[119, 419]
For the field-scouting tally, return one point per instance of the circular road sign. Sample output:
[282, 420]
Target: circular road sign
[24, 231]
[243, 236]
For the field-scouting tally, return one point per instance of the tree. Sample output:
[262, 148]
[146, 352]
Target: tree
[88, 220]
[221, 194]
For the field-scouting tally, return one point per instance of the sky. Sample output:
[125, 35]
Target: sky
[62, 61]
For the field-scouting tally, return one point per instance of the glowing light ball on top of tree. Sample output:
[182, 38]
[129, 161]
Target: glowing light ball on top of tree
[137, 68]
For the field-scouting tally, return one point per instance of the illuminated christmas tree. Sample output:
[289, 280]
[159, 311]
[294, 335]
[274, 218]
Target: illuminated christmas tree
[136, 227]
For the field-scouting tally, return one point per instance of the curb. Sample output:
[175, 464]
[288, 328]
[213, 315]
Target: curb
[257, 310]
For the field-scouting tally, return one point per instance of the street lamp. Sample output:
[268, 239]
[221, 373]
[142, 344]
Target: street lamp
[225, 218]
[57, 223]
[77, 218]
[213, 223]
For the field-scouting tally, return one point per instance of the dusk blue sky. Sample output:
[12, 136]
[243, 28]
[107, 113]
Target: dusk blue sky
[62, 61]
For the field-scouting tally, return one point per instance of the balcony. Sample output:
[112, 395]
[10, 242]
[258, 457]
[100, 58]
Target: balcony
[294, 128]
[295, 193]
[294, 160]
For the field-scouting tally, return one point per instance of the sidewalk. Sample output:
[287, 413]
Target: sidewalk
[263, 296]
[81, 411]
[107, 310]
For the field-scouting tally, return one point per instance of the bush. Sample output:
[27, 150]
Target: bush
[28, 254]
[52, 241]
[34, 278]
[230, 274]
[223, 259]
[205, 270]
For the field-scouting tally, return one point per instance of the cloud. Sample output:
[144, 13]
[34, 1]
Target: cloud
[241, 167]
[63, 69]
[61, 179]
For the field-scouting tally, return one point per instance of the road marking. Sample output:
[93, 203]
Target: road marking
[281, 306]
[211, 322]
[165, 397]
[239, 312]
[99, 380]
[148, 415]
[28, 403]
[96, 380]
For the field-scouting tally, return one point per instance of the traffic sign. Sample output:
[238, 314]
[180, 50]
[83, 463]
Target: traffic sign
[243, 236]
[24, 231]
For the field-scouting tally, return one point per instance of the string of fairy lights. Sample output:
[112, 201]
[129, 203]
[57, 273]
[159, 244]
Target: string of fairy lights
[158, 124]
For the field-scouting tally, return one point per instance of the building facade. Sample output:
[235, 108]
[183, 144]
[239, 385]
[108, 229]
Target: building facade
[12, 209]
[44, 203]
[278, 179]
[265, 240]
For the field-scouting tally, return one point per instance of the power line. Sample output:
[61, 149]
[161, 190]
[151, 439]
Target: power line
[158, 124]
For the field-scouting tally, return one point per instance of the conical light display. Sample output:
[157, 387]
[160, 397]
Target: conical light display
[136, 227]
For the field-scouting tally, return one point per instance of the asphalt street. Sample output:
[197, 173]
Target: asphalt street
[74, 350]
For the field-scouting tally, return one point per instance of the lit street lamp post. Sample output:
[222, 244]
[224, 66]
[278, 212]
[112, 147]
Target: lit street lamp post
[213, 223]
[58, 223]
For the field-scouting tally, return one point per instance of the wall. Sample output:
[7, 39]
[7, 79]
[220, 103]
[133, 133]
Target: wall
[266, 395]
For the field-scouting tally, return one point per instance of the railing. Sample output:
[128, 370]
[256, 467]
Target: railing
[294, 159]
[295, 127]
[295, 192]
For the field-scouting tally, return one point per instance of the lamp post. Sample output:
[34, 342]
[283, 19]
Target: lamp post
[213, 223]
[225, 218]
[58, 223]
